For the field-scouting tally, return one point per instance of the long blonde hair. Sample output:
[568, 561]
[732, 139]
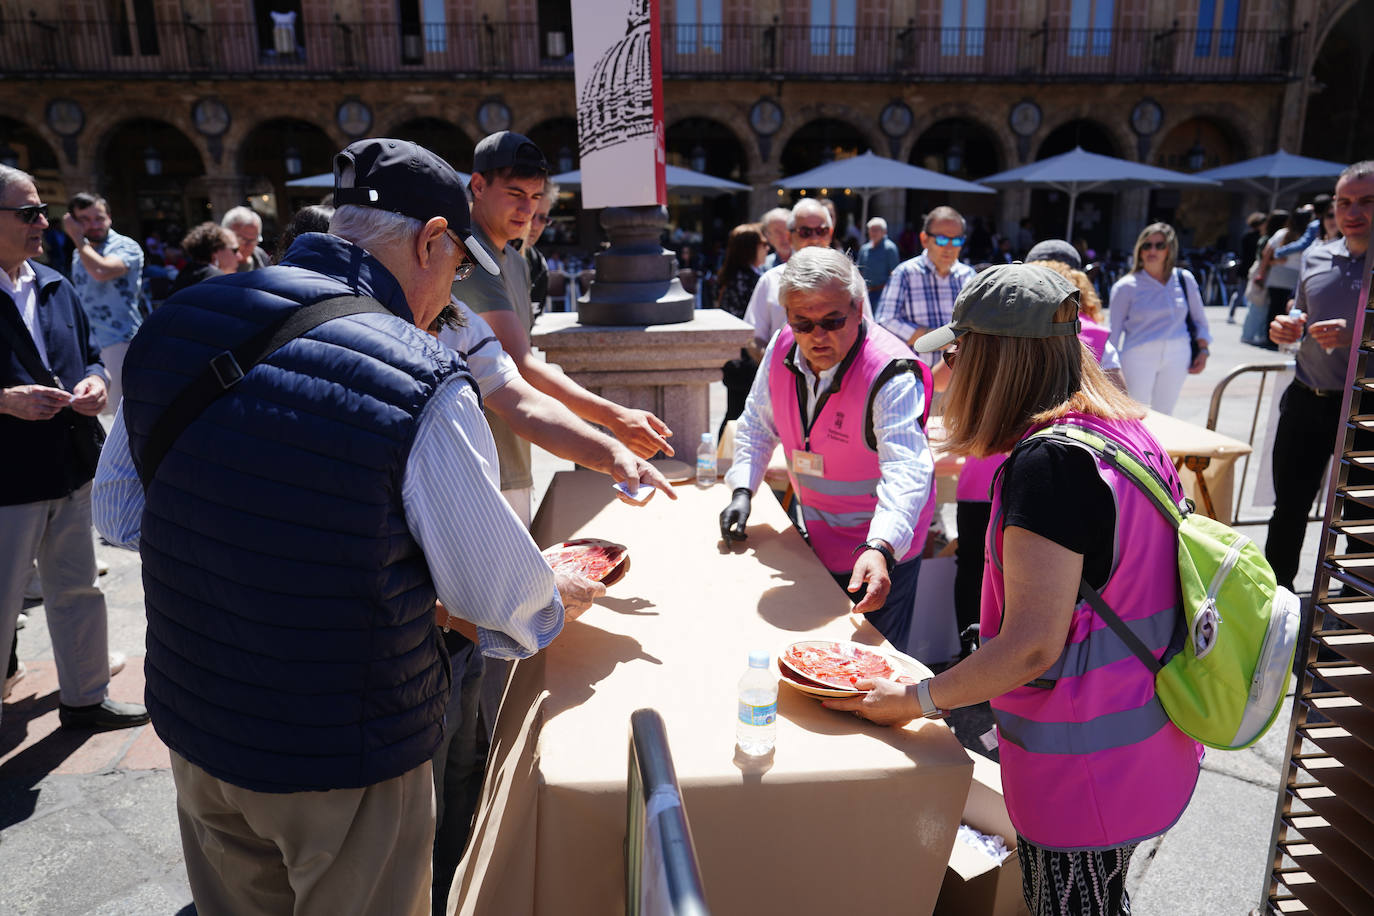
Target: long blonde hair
[1002, 386]
[1170, 256]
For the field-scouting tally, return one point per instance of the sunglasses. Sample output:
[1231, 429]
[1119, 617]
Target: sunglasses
[464, 270]
[806, 326]
[29, 214]
[950, 355]
[1157, 246]
[809, 232]
[945, 241]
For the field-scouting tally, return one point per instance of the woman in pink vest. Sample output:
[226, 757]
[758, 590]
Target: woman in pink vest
[1091, 765]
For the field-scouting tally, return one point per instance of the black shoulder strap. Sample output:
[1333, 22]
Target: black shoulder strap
[1118, 626]
[228, 367]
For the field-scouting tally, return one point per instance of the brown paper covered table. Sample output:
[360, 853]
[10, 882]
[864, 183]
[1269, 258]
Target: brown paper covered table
[845, 816]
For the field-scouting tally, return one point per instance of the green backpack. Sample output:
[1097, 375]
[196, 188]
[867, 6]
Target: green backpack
[1226, 683]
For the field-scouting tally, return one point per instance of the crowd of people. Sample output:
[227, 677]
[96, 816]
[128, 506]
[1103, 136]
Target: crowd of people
[289, 449]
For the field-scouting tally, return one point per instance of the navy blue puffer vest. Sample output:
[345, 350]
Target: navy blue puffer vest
[291, 636]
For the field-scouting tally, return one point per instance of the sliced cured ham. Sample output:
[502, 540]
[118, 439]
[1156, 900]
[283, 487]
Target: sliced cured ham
[836, 664]
[601, 561]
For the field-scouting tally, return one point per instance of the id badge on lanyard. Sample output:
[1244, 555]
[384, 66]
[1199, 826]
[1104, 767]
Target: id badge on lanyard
[808, 463]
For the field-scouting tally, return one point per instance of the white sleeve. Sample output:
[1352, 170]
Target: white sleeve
[907, 466]
[491, 366]
[756, 435]
[486, 569]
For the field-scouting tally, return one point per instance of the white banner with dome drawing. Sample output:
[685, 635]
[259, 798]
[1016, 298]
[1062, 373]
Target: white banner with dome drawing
[619, 75]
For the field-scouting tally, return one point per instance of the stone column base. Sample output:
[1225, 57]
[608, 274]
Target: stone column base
[666, 369]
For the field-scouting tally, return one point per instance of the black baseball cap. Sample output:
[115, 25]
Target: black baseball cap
[406, 178]
[507, 149]
[1008, 300]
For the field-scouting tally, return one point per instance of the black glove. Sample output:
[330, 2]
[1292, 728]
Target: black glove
[735, 515]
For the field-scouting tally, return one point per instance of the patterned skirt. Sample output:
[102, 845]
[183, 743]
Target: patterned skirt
[1082, 883]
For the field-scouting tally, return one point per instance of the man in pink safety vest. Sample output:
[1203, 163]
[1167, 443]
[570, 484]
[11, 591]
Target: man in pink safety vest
[848, 401]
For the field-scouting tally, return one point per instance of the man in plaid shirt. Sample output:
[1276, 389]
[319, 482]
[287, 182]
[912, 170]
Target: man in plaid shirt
[920, 294]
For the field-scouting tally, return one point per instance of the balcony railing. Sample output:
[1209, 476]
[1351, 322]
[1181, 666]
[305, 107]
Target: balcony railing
[170, 48]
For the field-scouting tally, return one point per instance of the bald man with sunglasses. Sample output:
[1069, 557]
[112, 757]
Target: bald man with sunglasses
[848, 401]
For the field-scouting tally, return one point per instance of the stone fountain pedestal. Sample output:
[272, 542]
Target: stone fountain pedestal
[663, 368]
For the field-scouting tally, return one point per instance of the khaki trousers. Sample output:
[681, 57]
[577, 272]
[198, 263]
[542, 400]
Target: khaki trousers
[353, 851]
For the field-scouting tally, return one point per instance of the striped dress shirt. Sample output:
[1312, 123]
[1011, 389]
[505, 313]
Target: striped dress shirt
[485, 567]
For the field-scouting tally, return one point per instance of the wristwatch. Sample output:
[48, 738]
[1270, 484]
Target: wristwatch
[882, 548]
[928, 708]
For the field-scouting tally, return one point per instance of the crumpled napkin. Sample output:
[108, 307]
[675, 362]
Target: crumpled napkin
[990, 845]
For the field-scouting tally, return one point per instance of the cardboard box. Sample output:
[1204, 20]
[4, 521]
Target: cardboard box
[975, 884]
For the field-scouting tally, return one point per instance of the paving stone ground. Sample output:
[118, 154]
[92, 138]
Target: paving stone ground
[88, 822]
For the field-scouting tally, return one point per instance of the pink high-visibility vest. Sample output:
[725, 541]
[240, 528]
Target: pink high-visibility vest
[1089, 758]
[838, 507]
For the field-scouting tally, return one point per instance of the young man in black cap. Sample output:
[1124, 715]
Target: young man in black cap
[507, 186]
[301, 521]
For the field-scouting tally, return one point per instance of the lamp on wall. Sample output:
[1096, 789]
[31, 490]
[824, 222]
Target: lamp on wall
[1196, 157]
[954, 157]
[565, 159]
[152, 161]
[293, 162]
[698, 159]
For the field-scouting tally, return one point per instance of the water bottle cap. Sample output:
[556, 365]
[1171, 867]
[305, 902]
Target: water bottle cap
[759, 659]
[706, 437]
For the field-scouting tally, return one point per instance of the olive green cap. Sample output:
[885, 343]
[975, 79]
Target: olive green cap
[1007, 300]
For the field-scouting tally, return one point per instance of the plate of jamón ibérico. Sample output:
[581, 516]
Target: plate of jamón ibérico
[601, 561]
[830, 669]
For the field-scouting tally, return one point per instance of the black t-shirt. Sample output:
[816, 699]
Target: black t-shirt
[1053, 489]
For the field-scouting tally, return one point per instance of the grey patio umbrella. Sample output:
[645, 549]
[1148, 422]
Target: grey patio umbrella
[677, 179]
[1078, 171]
[1276, 174]
[870, 172]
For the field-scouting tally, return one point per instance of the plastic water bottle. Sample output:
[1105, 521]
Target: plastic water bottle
[706, 460]
[757, 726]
[1292, 348]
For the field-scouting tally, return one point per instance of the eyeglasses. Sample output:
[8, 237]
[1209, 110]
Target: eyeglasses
[1157, 246]
[945, 241]
[539, 218]
[29, 214]
[464, 270]
[950, 355]
[806, 325]
[809, 232]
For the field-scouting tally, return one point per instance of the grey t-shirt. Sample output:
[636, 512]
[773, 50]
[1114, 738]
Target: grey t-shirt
[1329, 288]
[509, 292]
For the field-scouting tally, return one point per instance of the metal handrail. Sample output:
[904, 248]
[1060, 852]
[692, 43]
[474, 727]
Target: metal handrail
[1214, 412]
[653, 799]
[166, 47]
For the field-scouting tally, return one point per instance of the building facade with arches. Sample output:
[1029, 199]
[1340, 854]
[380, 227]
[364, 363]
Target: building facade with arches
[177, 110]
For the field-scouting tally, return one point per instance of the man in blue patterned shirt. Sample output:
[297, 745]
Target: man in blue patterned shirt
[920, 293]
[107, 271]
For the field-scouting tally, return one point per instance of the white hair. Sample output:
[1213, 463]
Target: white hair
[814, 269]
[809, 206]
[777, 214]
[9, 176]
[879, 222]
[241, 216]
[373, 229]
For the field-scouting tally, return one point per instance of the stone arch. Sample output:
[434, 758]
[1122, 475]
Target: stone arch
[799, 120]
[265, 161]
[997, 131]
[31, 152]
[733, 117]
[152, 172]
[974, 150]
[1205, 217]
[1336, 125]
[1095, 211]
[556, 138]
[438, 135]
[1096, 135]
[722, 154]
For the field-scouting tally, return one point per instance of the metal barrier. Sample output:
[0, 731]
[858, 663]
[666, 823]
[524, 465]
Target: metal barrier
[661, 872]
[1214, 410]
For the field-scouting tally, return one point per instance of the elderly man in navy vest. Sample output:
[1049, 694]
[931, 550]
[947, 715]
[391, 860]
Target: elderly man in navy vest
[52, 385]
[304, 470]
[848, 402]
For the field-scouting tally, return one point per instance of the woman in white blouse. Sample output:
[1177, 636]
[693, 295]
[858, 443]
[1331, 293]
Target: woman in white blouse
[1150, 311]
